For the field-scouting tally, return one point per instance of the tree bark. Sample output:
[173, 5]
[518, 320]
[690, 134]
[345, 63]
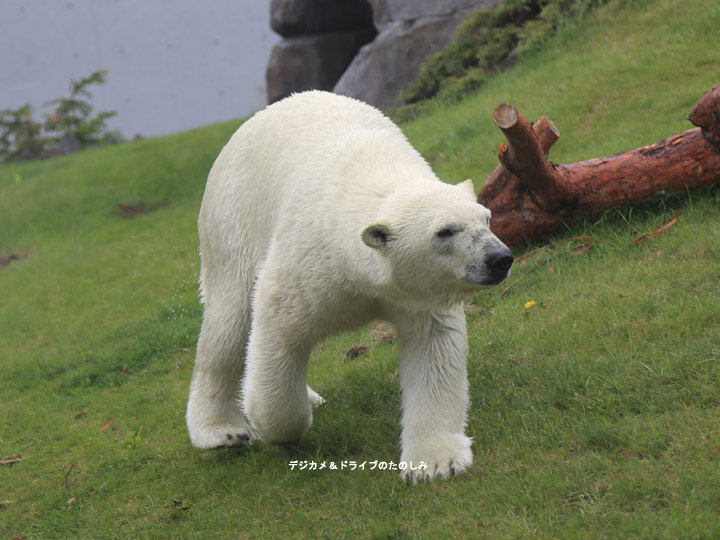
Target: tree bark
[706, 116]
[530, 196]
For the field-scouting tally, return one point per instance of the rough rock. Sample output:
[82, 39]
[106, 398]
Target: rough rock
[410, 31]
[306, 17]
[386, 11]
[311, 62]
[385, 66]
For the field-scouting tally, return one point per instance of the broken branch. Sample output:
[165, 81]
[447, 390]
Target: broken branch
[529, 196]
[67, 475]
[706, 116]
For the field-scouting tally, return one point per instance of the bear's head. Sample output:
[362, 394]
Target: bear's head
[436, 243]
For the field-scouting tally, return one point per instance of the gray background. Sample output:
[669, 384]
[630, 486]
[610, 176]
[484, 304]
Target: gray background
[173, 65]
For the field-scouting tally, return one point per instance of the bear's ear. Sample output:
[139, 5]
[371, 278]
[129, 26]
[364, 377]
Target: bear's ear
[468, 186]
[377, 235]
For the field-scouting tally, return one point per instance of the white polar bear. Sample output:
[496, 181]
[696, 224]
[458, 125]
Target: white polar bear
[318, 216]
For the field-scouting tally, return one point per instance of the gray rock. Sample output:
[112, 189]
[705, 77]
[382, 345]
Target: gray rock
[304, 17]
[409, 32]
[68, 144]
[311, 62]
[386, 11]
[392, 60]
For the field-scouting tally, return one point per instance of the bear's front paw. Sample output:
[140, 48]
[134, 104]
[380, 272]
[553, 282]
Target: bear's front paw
[442, 457]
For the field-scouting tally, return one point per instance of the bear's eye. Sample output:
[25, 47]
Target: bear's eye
[445, 232]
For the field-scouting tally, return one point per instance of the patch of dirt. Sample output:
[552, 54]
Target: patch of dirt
[472, 308]
[133, 210]
[355, 351]
[383, 332]
[10, 257]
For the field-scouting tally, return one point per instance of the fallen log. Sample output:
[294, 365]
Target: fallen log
[529, 196]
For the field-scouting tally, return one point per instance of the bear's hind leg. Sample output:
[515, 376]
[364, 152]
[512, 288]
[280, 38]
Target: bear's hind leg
[276, 399]
[214, 418]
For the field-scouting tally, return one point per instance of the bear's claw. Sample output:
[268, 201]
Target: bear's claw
[426, 476]
[444, 459]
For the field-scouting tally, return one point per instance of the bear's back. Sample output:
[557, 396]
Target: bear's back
[311, 137]
[319, 111]
[313, 128]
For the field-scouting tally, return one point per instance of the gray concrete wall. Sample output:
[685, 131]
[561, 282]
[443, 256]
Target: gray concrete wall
[174, 64]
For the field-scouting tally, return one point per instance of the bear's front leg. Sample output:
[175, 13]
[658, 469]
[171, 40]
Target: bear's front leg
[433, 378]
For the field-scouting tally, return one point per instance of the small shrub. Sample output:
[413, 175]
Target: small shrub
[20, 136]
[69, 127]
[73, 114]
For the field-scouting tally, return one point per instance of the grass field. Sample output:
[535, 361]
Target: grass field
[595, 412]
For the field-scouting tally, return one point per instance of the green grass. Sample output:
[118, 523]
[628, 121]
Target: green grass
[595, 413]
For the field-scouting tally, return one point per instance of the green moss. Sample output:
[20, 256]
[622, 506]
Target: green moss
[487, 41]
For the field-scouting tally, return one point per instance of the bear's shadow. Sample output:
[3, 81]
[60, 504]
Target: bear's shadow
[361, 418]
[359, 421]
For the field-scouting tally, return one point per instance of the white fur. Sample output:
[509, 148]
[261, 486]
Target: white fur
[289, 257]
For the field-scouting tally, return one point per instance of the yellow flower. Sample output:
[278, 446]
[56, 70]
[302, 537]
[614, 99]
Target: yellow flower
[529, 304]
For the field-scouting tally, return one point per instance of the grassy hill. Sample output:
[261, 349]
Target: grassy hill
[595, 413]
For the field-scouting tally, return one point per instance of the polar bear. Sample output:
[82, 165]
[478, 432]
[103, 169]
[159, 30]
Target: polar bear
[319, 216]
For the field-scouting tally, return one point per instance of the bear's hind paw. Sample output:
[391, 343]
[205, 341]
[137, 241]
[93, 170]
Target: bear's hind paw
[224, 435]
[315, 398]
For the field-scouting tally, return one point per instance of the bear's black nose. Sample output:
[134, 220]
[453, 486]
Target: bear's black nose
[499, 261]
